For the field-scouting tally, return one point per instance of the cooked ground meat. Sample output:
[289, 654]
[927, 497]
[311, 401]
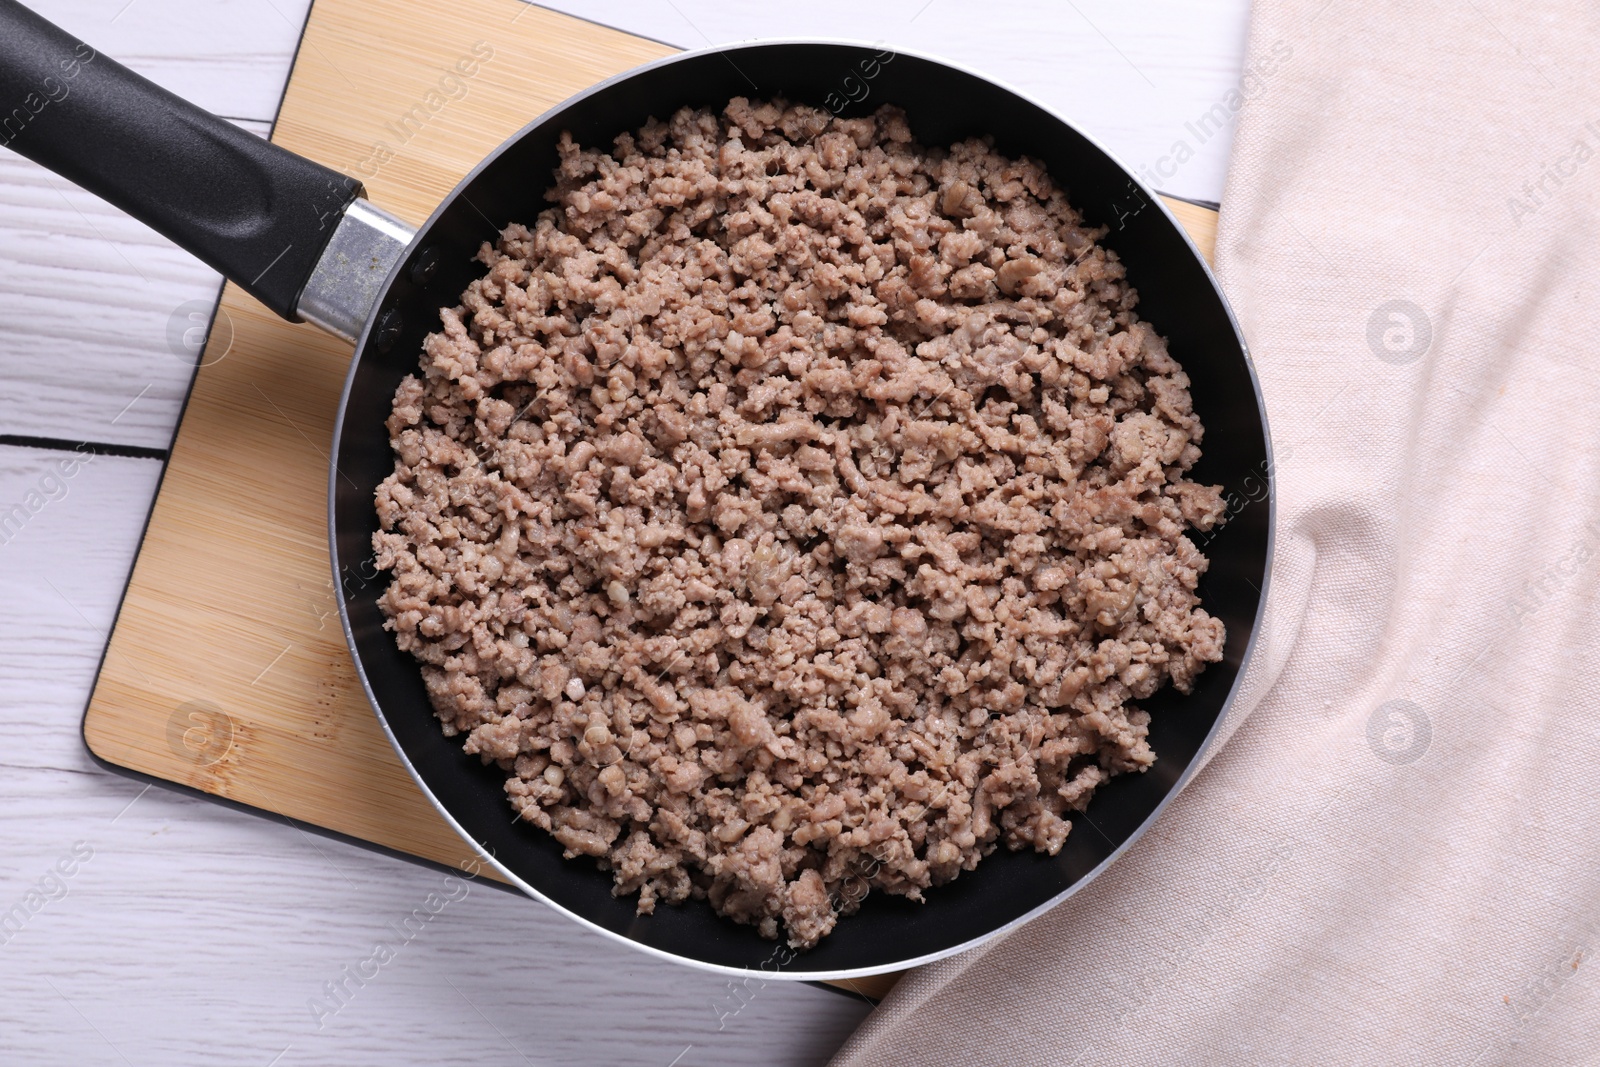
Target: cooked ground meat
[794, 510]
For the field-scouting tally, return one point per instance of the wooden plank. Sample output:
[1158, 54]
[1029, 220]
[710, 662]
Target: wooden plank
[86, 293]
[227, 671]
[228, 56]
[69, 526]
[88, 297]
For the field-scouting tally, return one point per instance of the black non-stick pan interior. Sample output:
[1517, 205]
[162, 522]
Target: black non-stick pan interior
[943, 104]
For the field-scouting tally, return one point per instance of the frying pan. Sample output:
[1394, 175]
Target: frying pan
[302, 239]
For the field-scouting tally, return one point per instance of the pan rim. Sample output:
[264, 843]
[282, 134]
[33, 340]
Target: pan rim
[1202, 754]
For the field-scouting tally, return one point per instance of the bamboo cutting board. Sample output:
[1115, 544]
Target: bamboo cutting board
[227, 671]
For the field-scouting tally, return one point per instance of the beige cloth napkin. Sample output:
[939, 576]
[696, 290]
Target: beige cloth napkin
[1396, 857]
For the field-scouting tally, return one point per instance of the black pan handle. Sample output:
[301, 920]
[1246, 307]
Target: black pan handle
[258, 213]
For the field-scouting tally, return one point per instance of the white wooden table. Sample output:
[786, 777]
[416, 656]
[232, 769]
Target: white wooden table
[187, 932]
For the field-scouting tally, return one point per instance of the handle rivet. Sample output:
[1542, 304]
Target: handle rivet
[387, 330]
[425, 266]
